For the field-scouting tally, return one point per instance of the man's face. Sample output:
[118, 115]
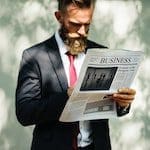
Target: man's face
[75, 24]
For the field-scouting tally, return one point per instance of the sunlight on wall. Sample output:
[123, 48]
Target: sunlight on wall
[4, 38]
[122, 16]
[131, 131]
[145, 69]
[138, 104]
[120, 12]
[4, 106]
[31, 12]
[4, 41]
[145, 72]
[41, 33]
[133, 41]
[20, 47]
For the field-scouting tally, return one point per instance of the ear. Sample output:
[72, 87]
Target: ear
[58, 16]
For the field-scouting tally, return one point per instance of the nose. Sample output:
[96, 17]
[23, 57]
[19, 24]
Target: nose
[82, 30]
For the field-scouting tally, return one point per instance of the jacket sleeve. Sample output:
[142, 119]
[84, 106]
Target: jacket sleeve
[31, 107]
[121, 111]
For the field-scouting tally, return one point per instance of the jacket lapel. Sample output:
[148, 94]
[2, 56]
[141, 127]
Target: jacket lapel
[57, 63]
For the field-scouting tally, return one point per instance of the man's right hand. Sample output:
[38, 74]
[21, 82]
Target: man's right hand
[69, 91]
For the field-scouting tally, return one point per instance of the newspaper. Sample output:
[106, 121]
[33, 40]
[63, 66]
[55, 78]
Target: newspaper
[103, 72]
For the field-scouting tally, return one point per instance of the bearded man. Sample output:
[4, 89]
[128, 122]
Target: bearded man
[45, 84]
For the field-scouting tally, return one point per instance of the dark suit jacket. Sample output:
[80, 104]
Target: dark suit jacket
[41, 95]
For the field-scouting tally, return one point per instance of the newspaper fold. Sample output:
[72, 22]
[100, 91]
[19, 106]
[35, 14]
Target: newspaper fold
[103, 72]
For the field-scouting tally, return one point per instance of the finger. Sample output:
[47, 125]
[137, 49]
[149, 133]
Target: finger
[123, 104]
[127, 91]
[123, 96]
[71, 87]
[69, 91]
[123, 101]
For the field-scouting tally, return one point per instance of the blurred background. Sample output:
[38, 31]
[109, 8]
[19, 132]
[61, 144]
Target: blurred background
[121, 24]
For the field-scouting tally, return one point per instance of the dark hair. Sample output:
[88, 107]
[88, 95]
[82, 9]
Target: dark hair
[62, 4]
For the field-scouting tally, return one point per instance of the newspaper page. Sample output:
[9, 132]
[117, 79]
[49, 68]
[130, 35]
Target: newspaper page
[103, 72]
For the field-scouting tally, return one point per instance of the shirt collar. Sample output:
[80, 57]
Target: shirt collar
[62, 48]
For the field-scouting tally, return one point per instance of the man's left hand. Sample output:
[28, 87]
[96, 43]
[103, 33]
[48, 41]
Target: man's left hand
[124, 97]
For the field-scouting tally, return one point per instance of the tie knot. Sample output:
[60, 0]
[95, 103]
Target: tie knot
[71, 58]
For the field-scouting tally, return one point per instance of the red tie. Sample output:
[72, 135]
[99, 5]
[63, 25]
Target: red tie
[73, 79]
[72, 70]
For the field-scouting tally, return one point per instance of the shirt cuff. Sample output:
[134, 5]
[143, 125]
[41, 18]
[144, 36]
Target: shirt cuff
[121, 111]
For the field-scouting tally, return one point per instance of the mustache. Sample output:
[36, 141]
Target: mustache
[78, 41]
[71, 35]
[76, 36]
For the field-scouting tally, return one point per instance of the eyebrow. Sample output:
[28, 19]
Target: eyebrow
[78, 24]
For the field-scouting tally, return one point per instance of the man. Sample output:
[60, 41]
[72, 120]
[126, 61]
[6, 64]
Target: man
[44, 85]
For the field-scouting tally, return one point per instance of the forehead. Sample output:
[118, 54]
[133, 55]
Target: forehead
[78, 13]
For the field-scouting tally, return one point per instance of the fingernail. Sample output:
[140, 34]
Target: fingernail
[120, 90]
[114, 95]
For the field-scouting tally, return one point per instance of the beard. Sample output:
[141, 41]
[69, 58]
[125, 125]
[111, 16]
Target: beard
[75, 44]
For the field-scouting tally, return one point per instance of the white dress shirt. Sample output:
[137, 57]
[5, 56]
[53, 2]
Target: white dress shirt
[84, 138]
